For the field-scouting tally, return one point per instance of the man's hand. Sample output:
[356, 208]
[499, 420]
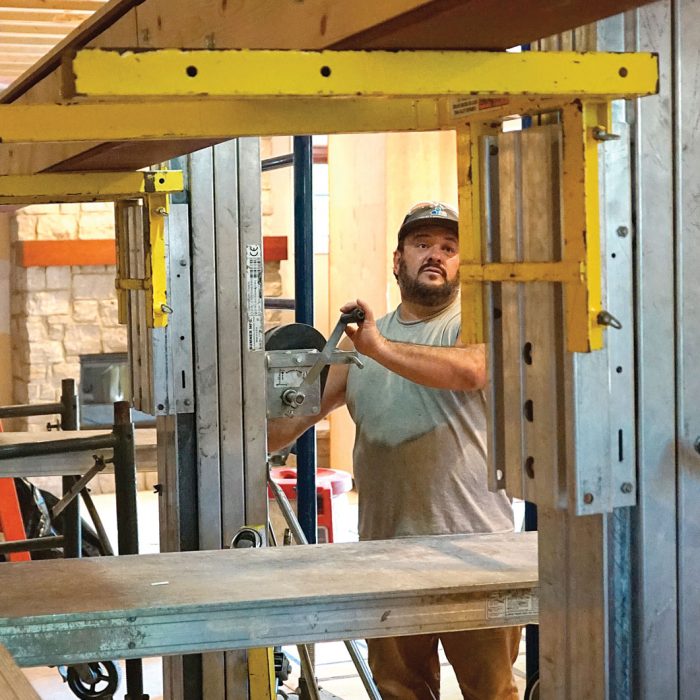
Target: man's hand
[457, 368]
[365, 336]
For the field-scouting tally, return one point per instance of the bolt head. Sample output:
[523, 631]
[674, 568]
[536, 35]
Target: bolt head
[626, 487]
[622, 231]
[588, 498]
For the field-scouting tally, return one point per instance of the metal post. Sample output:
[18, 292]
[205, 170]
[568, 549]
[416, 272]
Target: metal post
[304, 295]
[127, 519]
[532, 632]
[72, 526]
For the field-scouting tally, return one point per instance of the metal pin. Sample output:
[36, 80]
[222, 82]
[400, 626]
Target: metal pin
[605, 318]
[600, 134]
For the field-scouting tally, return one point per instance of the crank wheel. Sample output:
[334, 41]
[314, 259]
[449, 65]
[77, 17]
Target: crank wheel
[297, 336]
[97, 679]
[532, 691]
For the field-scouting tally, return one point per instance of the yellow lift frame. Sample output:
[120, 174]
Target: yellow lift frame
[228, 93]
[153, 186]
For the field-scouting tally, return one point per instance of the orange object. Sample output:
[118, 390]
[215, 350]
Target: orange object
[102, 251]
[99, 251]
[11, 524]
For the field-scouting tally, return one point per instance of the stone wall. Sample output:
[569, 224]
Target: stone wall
[59, 312]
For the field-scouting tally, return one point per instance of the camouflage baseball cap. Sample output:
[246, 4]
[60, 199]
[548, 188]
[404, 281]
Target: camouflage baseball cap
[429, 214]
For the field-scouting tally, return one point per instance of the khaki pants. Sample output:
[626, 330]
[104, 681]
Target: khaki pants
[407, 668]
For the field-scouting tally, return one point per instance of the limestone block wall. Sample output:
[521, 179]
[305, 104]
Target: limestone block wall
[59, 312]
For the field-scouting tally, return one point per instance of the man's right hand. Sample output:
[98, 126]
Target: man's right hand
[365, 336]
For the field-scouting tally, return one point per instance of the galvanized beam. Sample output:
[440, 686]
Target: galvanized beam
[266, 73]
[46, 188]
[162, 604]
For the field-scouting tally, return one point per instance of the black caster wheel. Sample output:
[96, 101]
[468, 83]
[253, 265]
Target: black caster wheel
[532, 690]
[97, 679]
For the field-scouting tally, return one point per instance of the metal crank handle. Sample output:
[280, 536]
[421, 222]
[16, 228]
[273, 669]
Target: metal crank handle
[357, 315]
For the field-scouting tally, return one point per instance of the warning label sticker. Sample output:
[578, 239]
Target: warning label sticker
[254, 297]
[289, 378]
[511, 605]
[469, 105]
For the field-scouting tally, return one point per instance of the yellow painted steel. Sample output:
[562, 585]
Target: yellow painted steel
[471, 230]
[245, 72]
[584, 125]
[471, 92]
[261, 674]
[154, 280]
[158, 210]
[547, 271]
[464, 110]
[45, 188]
[581, 121]
[121, 243]
[214, 119]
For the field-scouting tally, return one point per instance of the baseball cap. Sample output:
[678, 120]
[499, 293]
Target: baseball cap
[429, 213]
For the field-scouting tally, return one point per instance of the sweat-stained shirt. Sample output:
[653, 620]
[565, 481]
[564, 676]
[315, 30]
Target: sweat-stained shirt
[420, 453]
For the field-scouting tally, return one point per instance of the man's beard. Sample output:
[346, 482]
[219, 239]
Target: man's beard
[417, 292]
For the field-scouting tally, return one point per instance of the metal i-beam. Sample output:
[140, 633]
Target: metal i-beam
[265, 73]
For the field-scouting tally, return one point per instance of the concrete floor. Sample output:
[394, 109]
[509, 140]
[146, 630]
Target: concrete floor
[335, 671]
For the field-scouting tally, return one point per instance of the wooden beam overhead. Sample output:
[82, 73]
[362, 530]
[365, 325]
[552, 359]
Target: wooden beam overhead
[8, 14]
[312, 24]
[80, 5]
[47, 40]
[37, 26]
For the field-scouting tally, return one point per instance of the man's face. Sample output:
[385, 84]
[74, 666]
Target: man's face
[427, 269]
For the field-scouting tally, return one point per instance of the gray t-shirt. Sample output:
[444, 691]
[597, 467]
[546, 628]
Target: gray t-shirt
[420, 453]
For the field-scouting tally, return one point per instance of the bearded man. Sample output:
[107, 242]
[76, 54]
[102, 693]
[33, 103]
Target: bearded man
[420, 449]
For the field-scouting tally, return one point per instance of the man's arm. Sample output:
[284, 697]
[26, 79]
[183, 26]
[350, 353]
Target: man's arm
[459, 368]
[283, 431]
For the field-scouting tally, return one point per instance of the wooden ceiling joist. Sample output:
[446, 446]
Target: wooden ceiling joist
[78, 5]
[48, 40]
[313, 24]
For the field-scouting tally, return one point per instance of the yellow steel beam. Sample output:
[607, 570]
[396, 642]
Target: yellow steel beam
[158, 210]
[214, 119]
[261, 673]
[584, 124]
[471, 229]
[45, 188]
[265, 73]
